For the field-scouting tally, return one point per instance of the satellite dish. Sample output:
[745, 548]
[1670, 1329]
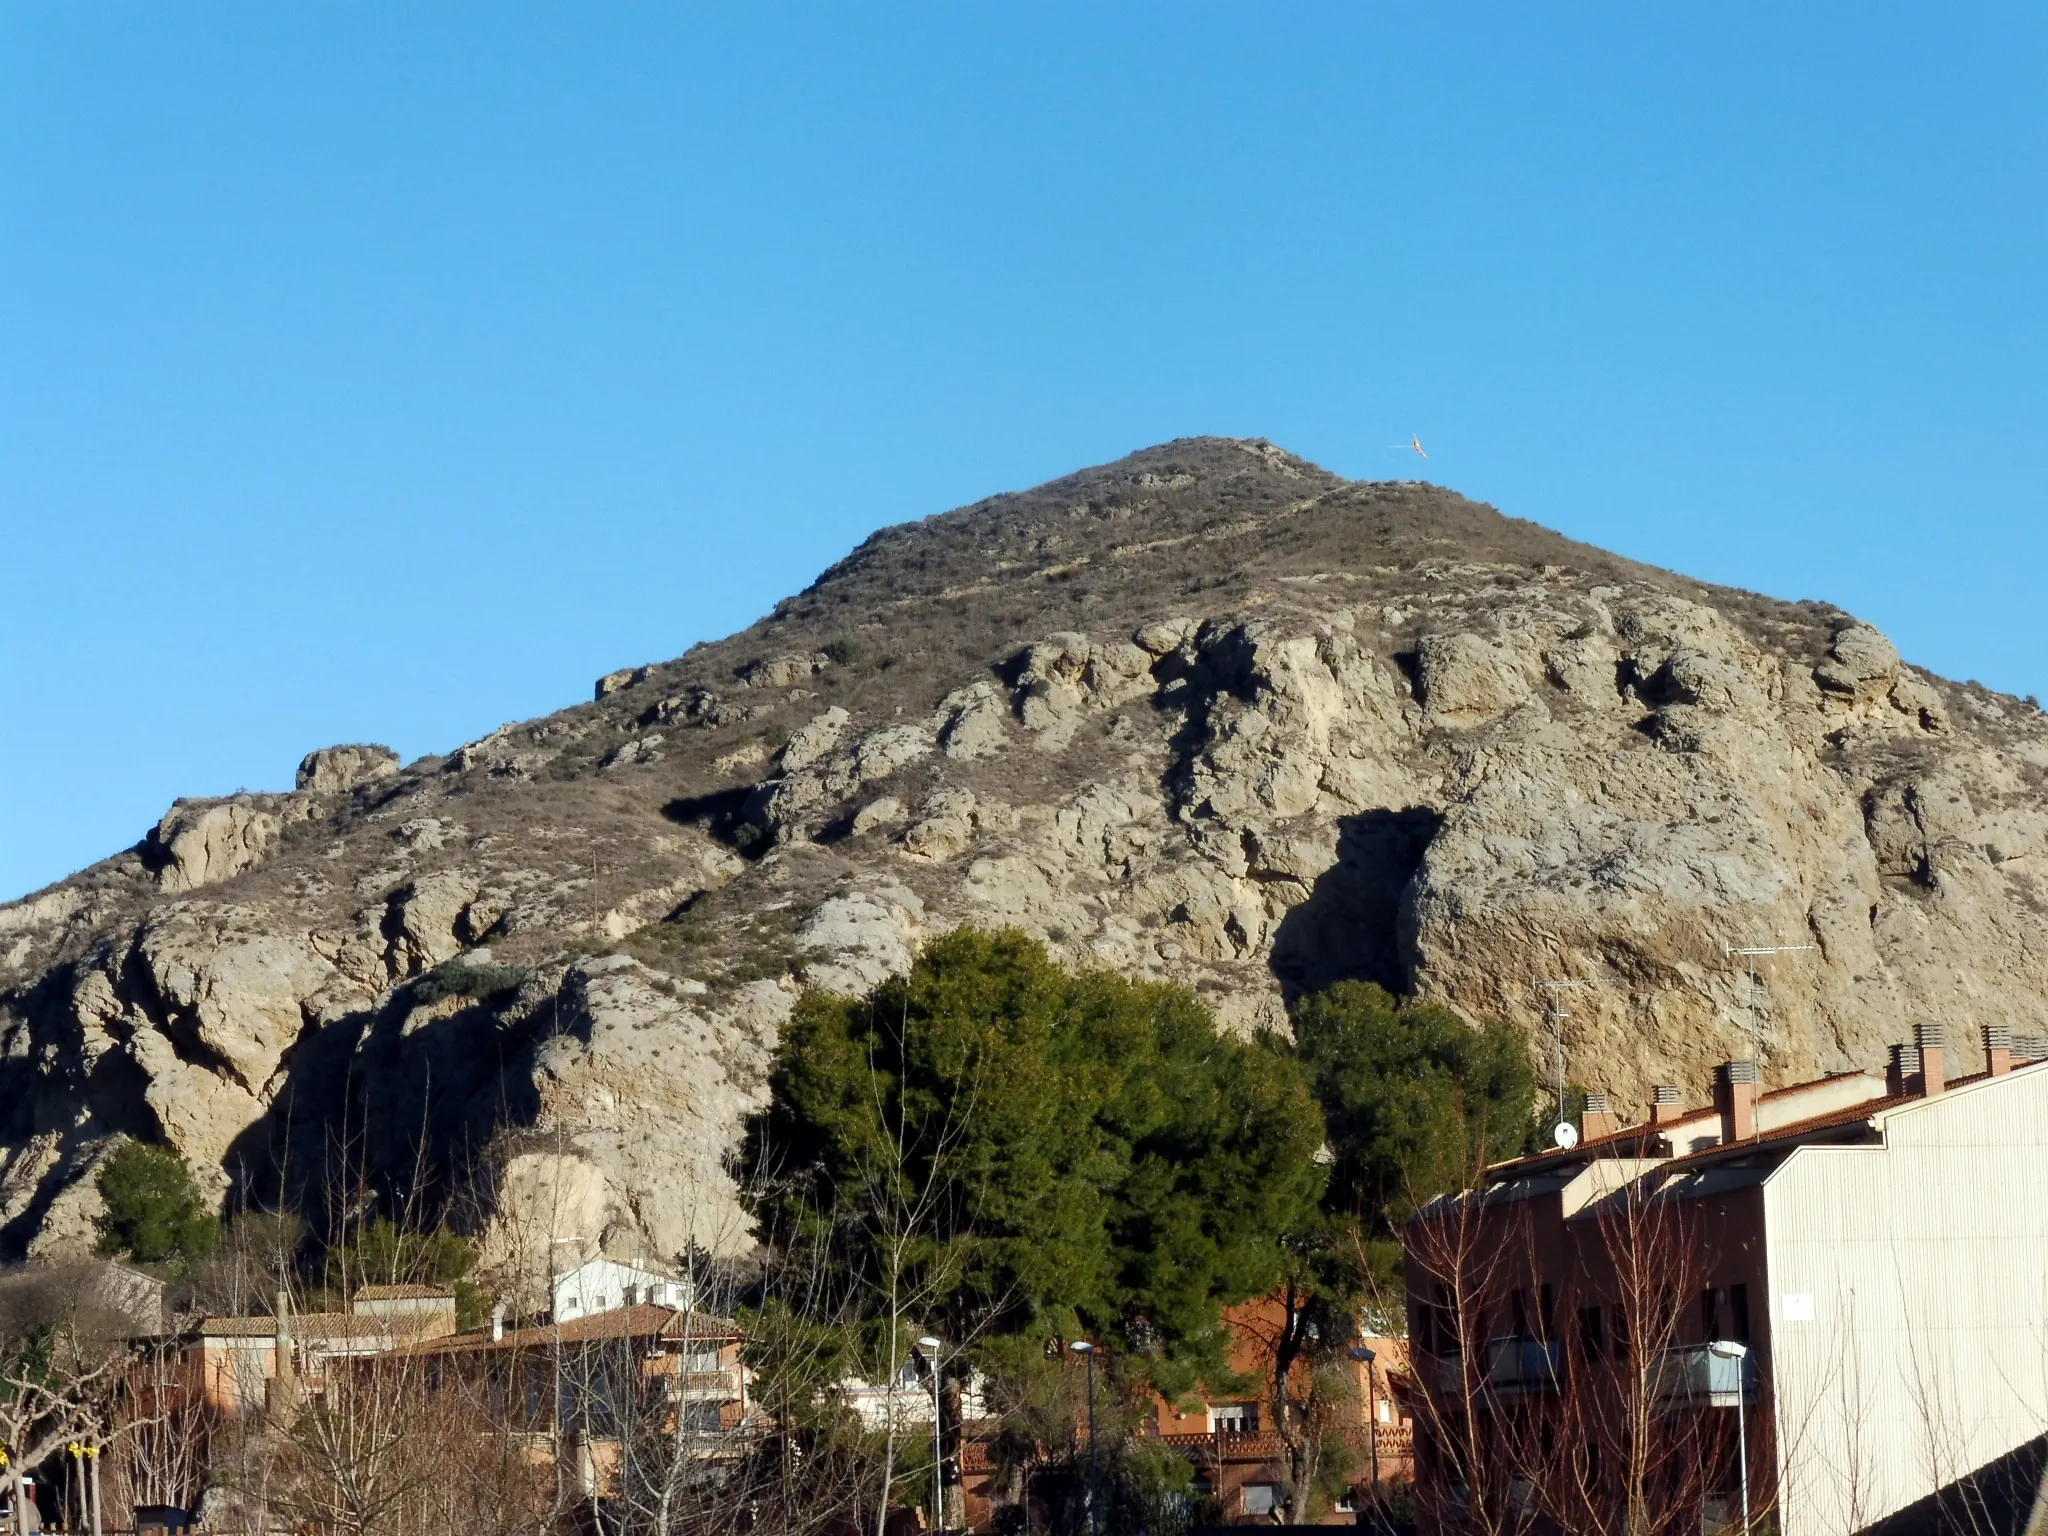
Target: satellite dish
[1566, 1135]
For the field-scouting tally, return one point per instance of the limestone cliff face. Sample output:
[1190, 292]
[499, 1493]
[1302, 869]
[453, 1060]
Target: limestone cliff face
[1208, 714]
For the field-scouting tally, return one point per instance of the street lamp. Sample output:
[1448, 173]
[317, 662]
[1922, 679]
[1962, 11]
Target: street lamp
[1086, 1350]
[931, 1347]
[1728, 1349]
[1365, 1357]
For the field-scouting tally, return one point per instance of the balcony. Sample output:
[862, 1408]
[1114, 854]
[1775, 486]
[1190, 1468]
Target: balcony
[1513, 1367]
[1696, 1377]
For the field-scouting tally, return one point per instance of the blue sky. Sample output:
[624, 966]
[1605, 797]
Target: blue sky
[385, 372]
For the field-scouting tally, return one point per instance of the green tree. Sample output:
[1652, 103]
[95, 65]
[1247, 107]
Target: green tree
[1415, 1098]
[384, 1253]
[154, 1212]
[1088, 1155]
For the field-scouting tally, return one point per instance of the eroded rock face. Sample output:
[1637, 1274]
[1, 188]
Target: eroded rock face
[334, 770]
[202, 842]
[550, 969]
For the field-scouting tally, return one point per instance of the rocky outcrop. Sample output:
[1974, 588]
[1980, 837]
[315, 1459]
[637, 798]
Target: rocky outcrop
[203, 842]
[336, 770]
[1209, 716]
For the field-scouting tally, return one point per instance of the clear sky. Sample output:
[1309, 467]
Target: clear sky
[389, 371]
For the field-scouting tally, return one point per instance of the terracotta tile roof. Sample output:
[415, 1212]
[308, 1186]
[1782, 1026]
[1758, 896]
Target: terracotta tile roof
[1637, 1134]
[405, 1293]
[315, 1327]
[238, 1328]
[1836, 1119]
[640, 1322]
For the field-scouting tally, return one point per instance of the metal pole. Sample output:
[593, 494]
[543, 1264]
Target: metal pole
[1372, 1431]
[932, 1346]
[1094, 1479]
[1742, 1440]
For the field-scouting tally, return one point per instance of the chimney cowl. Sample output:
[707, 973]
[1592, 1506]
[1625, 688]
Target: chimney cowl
[1664, 1104]
[1735, 1093]
[1997, 1049]
[1598, 1118]
[1902, 1071]
[1932, 1038]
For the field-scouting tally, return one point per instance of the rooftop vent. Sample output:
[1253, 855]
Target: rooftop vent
[1998, 1049]
[1735, 1094]
[1664, 1104]
[1902, 1072]
[1932, 1040]
[1598, 1118]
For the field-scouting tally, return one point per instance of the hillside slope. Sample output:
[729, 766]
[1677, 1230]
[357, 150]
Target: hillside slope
[1208, 713]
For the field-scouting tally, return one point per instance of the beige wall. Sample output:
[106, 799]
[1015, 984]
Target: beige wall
[1909, 1302]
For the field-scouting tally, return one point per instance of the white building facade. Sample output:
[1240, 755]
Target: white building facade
[606, 1285]
[1908, 1316]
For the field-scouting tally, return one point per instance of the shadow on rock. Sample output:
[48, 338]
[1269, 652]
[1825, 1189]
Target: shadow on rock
[387, 1111]
[1349, 928]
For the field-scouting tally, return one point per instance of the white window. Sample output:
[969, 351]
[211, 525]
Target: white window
[1234, 1418]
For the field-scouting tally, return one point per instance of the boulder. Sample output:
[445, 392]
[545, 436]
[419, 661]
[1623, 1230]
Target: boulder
[619, 681]
[1861, 662]
[335, 770]
[1468, 680]
[202, 842]
[811, 741]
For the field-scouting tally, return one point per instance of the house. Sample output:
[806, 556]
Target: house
[606, 1285]
[436, 1301]
[1239, 1461]
[240, 1363]
[590, 1383]
[1239, 1458]
[1833, 1295]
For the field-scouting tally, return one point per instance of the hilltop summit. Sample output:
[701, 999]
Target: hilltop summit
[1209, 713]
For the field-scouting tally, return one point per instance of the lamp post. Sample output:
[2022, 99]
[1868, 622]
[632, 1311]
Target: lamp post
[1086, 1350]
[931, 1346]
[1728, 1349]
[1365, 1357]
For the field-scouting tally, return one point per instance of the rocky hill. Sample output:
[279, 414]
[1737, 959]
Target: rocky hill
[1209, 713]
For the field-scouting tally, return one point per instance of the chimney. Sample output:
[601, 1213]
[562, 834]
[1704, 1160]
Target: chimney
[1931, 1038]
[1598, 1118]
[498, 1322]
[1735, 1094]
[283, 1342]
[1902, 1072]
[1664, 1105]
[1998, 1049]
[2029, 1048]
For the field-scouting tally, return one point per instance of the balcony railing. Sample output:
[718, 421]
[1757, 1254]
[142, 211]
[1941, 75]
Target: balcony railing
[1697, 1377]
[1509, 1367]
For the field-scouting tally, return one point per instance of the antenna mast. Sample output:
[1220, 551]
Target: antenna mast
[1751, 952]
[1554, 1010]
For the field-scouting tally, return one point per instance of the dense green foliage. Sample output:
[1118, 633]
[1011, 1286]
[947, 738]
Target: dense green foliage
[1037, 1153]
[1415, 1098]
[154, 1211]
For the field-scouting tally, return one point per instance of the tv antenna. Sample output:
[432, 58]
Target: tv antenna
[1753, 953]
[1566, 1135]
